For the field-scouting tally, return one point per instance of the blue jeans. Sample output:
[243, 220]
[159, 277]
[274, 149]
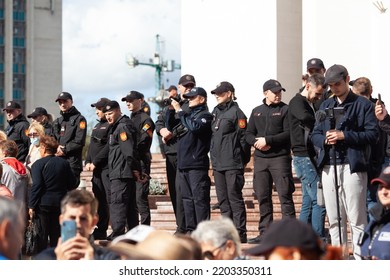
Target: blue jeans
[310, 211]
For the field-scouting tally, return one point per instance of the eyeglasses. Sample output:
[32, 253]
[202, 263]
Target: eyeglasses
[210, 255]
[34, 134]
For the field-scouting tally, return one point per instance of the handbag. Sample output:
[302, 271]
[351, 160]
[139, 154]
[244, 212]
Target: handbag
[31, 237]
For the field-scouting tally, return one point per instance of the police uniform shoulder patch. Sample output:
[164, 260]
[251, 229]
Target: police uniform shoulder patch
[241, 123]
[146, 127]
[82, 125]
[123, 136]
[26, 132]
[146, 109]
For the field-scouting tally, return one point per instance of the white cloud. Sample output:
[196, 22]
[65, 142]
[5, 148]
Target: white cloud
[97, 36]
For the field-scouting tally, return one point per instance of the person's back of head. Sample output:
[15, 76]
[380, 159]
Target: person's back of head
[161, 245]
[11, 228]
[218, 237]
[8, 148]
[362, 86]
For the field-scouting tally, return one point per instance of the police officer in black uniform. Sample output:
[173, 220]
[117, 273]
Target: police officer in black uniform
[145, 106]
[17, 128]
[229, 153]
[41, 116]
[171, 130]
[97, 161]
[124, 170]
[192, 158]
[70, 130]
[268, 131]
[145, 127]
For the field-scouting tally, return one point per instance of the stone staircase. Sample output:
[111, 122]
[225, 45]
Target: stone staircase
[162, 211]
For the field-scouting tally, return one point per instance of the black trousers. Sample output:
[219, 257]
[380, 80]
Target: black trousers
[266, 172]
[123, 206]
[195, 189]
[175, 192]
[228, 186]
[142, 193]
[50, 226]
[101, 190]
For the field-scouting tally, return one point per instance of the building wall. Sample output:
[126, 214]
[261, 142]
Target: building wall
[32, 50]
[247, 42]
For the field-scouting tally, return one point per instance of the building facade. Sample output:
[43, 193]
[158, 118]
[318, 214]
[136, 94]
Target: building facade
[30, 54]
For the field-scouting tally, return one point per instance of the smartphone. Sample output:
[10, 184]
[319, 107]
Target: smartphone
[380, 98]
[68, 230]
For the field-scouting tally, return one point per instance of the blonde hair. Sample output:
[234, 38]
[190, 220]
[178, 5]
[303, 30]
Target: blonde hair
[3, 135]
[38, 128]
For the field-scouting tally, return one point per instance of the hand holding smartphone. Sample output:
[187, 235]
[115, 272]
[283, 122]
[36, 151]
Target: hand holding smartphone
[68, 230]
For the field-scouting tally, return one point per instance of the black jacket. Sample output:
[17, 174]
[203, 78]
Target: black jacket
[17, 131]
[301, 119]
[145, 127]
[52, 178]
[70, 130]
[97, 152]
[194, 146]
[229, 149]
[271, 122]
[123, 157]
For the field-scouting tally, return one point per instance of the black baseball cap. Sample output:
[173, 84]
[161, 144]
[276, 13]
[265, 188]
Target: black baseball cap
[335, 74]
[288, 232]
[64, 96]
[100, 103]
[315, 63]
[133, 95]
[273, 85]
[223, 87]
[39, 111]
[196, 91]
[12, 105]
[187, 80]
[172, 88]
[111, 105]
[384, 178]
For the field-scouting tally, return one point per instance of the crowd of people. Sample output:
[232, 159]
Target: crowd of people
[332, 133]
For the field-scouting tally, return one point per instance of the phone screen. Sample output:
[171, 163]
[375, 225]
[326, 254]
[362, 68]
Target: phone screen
[68, 230]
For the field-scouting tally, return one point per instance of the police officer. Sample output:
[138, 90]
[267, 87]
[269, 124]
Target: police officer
[229, 153]
[97, 161]
[17, 128]
[268, 131]
[70, 130]
[41, 116]
[124, 170]
[171, 129]
[192, 158]
[145, 127]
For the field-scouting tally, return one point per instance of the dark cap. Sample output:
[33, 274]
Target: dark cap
[64, 96]
[223, 87]
[335, 74]
[187, 80]
[315, 63]
[111, 105]
[172, 88]
[133, 95]
[39, 111]
[101, 102]
[384, 177]
[196, 91]
[12, 105]
[288, 232]
[272, 85]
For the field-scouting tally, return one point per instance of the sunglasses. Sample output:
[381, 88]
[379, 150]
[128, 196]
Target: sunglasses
[34, 134]
[210, 255]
